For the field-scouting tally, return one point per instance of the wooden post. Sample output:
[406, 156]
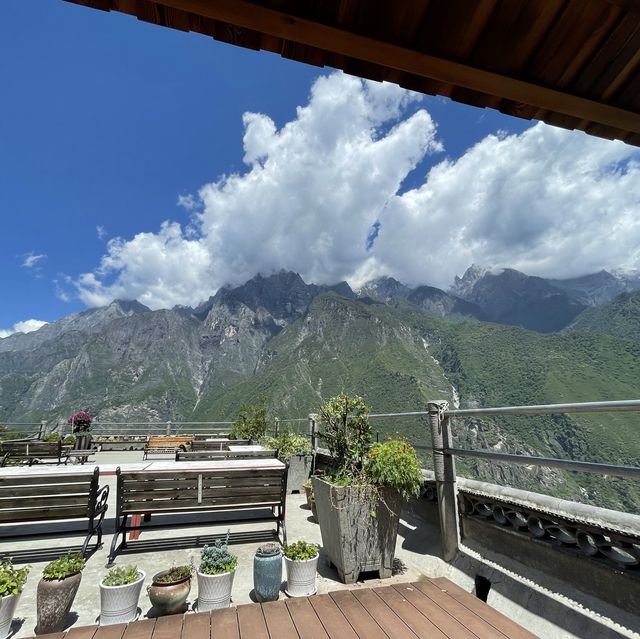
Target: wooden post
[445, 473]
[313, 435]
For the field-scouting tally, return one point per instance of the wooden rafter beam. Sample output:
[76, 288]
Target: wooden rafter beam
[247, 15]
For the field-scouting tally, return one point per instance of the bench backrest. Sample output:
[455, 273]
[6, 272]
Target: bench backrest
[168, 441]
[202, 455]
[199, 444]
[232, 489]
[38, 497]
[34, 448]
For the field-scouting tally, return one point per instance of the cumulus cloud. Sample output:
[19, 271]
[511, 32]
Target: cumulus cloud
[322, 196]
[101, 232]
[26, 326]
[32, 259]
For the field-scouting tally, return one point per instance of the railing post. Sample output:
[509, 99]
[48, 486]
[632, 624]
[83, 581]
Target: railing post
[169, 427]
[313, 434]
[445, 473]
[43, 430]
[277, 422]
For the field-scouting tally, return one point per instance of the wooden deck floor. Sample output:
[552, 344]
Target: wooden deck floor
[433, 609]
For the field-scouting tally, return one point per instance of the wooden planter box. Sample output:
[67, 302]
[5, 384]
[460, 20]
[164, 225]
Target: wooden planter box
[352, 539]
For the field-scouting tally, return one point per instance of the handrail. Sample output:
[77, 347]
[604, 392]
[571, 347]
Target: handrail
[629, 405]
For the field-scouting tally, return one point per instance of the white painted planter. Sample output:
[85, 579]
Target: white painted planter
[119, 604]
[301, 577]
[214, 591]
[7, 608]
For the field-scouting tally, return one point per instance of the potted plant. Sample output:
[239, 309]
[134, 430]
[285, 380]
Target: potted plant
[311, 500]
[119, 595]
[56, 591]
[215, 576]
[12, 581]
[81, 426]
[294, 450]
[301, 560]
[358, 504]
[267, 572]
[252, 422]
[169, 590]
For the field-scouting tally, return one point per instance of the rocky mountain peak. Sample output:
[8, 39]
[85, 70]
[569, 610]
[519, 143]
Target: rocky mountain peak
[462, 286]
[384, 289]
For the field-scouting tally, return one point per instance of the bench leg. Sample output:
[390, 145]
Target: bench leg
[282, 527]
[121, 528]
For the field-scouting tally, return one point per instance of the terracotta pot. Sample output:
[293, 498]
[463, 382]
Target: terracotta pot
[55, 598]
[169, 599]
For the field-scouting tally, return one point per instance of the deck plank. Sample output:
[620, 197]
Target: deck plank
[169, 627]
[251, 622]
[110, 632]
[361, 621]
[82, 632]
[334, 622]
[384, 616]
[142, 629]
[197, 626]
[224, 624]
[279, 622]
[412, 617]
[305, 619]
[466, 617]
[442, 619]
[499, 621]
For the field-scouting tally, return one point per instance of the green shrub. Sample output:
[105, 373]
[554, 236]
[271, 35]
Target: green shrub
[62, 567]
[216, 559]
[174, 574]
[121, 576]
[52, 437]
[288, 444]
[252, 422]
[300, 551]
[12, 579]
[69, 440]
[344, 423]
[395, 465]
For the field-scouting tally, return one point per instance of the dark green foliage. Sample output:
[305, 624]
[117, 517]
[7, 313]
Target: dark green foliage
[62, 567]
[300, 551]
[252, 422]
[12, 579]
[288, 444]
[121, 576]
[175, 574]
[395, 465]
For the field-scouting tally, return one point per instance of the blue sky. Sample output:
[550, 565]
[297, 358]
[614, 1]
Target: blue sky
[105, 121]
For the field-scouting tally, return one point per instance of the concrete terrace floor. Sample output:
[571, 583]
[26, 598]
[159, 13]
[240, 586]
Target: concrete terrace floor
[542, 604]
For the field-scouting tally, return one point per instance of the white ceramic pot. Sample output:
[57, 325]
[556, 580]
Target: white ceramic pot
[119, 604]
[301, 577]
[7, 608]
[214, 591]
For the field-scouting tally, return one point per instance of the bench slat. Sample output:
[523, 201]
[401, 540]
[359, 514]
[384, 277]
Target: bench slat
[228, 491]
[225, 475]
[169, 506]
[41, 479]
[135, 487]
[43, 501]
[35, 514]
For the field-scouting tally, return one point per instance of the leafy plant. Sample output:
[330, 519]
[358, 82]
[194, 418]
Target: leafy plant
[69, 440]
[288, 444]
[270, 548]
[121, 576]
[81, 422]
[52, 437]
[395, 465]
[252, 422]
[12, 579]
[63, 567]
[175, 574]
[301, 551]
[216, 559]
[345, 428]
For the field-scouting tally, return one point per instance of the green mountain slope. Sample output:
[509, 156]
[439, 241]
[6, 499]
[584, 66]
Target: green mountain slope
[621, 317]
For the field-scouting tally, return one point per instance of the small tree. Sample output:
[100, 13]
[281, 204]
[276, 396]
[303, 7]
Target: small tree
[252, 422]
[344, 422]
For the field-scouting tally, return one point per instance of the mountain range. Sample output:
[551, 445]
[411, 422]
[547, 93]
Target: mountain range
[495, 338]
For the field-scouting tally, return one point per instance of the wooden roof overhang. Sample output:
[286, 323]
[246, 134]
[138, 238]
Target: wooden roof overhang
[570, 63]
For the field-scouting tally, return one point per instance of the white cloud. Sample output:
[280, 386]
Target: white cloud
[26, 326]
[548, 201]
[101, 232]
[32, 259]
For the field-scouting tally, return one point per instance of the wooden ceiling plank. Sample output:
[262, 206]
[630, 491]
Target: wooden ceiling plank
[254, 17]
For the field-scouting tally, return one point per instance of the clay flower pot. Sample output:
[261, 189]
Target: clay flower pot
[55, 598]
[169, 598]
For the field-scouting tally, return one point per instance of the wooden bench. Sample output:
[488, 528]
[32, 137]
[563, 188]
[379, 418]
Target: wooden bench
[221, 444]
[203, 455]
[166, 444]
[39, 496]
[34, 451]
[232, 486]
